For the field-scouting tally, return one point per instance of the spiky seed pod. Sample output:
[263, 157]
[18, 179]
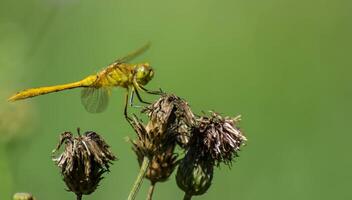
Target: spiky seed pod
[83, 162]
[171, 115]
[220, 137]
[194, 173]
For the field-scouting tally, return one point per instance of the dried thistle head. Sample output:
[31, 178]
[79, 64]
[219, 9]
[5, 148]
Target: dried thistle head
[215, 139]
[171, 115]
[158, 148]
[219, 137]
[83, 162]
[170, 121]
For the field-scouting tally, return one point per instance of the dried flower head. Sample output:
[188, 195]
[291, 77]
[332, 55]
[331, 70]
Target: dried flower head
[158, 148]
[215, 139]
[219, 137]
[83, 162]
[171, 115]
[170, 121]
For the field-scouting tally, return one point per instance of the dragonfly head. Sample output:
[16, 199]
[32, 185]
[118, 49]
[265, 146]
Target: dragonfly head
[143, 73]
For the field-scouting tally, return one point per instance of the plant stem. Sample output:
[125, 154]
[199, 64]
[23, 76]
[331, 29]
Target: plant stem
[79, 196]
[137, 184]
[151, 191]
[187, 197]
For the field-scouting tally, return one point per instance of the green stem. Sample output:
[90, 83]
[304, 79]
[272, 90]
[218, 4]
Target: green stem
[137, 184]
[187, 197]
[151, 191]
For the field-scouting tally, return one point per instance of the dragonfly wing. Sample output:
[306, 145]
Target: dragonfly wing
[95, 100]
[133, 54]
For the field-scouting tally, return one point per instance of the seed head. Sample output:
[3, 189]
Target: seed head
[158, 148]
[170, 120]
[219, 137]
[83, 162]
[171, 115]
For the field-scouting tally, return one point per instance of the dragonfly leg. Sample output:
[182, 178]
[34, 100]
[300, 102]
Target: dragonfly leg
[140, 98]
[160, 92]
[132, 97]
[125, 110]
[138, 86]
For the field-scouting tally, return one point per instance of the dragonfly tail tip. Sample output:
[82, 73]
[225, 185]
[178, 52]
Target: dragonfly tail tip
[12, 98]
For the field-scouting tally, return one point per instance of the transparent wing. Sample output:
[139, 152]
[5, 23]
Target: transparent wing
[95, 100]
[133, 54]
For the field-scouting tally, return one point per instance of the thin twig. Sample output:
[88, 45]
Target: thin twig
[137, 184]
[151, 191]
[187, 197]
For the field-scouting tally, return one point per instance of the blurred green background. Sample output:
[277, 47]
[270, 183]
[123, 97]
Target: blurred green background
[284, 65]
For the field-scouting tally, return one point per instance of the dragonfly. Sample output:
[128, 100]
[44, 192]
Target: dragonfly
[97, 87]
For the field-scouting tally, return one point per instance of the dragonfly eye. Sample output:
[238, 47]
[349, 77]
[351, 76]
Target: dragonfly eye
[143, 74]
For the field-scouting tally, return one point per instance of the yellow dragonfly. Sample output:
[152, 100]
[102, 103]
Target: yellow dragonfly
[97, 87]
